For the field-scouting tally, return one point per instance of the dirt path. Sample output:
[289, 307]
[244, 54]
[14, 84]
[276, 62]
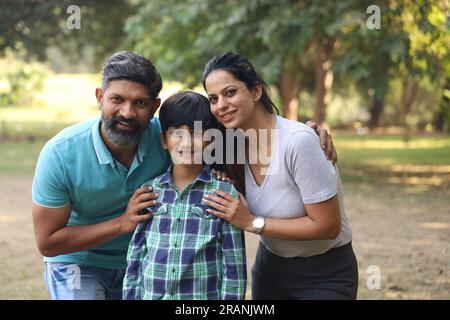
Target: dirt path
[403, 234]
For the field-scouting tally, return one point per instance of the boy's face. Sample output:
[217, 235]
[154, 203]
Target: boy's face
[185, 146]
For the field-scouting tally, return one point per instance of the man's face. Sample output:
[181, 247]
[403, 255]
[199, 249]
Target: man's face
[126, 108]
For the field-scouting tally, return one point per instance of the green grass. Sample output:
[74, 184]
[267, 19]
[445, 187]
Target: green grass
[19, 158]
[393, 159]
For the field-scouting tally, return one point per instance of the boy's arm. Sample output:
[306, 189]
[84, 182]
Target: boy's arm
[132, 282]
[234, 283]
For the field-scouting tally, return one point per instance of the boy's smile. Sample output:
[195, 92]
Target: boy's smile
[184, 145]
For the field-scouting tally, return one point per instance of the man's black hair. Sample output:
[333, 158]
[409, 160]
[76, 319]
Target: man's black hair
[127, 65]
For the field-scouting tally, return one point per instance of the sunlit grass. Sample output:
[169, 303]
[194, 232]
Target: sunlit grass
[19, 159]
[387, 159]
[380, 143]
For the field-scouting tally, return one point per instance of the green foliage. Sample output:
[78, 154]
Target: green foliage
[41, 24]
[182, 36]
[20, 81]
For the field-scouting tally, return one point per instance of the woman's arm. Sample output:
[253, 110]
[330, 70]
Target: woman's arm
[323, 220]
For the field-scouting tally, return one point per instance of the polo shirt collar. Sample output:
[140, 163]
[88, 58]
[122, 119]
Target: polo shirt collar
[103, 154]
[144, 144]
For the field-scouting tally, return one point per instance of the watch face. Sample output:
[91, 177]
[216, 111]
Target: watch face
[259, 223]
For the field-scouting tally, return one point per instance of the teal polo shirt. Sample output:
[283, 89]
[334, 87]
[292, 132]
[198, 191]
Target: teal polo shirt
[75, 167]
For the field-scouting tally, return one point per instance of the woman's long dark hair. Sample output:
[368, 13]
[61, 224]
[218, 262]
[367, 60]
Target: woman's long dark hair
[243, 70]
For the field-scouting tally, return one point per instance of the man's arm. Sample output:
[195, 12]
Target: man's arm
[54, 237]
[326, 141]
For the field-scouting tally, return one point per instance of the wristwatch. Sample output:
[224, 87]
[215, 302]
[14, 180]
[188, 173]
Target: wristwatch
[258, 225]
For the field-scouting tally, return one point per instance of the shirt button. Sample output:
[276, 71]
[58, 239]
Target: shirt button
[173, 270]
[175, 245]
[179, 219]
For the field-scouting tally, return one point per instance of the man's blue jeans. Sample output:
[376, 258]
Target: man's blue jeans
[68, 281]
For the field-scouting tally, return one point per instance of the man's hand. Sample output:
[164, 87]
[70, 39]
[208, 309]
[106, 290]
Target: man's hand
[326, 141]
[141, 199]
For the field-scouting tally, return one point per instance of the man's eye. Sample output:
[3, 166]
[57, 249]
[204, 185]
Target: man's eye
[115, 99]
[141, 103]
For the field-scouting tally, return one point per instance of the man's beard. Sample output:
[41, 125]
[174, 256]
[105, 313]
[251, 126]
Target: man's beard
[122, 138]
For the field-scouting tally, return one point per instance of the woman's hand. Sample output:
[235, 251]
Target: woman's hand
[221, 175]
[230, 209]
[326, 141]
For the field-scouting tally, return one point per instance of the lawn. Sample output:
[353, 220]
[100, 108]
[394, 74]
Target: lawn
[421, 160]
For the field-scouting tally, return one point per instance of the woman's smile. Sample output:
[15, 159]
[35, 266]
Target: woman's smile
[227, 116]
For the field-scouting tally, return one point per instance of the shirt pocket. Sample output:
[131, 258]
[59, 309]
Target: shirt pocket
[202, 223]
[161, 220]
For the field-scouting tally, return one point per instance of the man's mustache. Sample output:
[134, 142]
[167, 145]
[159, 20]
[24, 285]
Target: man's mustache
[129, 122]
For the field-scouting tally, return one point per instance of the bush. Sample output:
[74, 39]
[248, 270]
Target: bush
[19, 80]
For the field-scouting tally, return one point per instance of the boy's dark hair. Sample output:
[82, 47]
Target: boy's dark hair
[127, 65]
[243, 70]
[184, 108]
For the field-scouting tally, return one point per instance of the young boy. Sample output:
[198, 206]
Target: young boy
[184, 252]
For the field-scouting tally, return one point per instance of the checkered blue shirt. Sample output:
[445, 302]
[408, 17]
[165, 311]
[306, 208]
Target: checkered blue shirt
[183, 252]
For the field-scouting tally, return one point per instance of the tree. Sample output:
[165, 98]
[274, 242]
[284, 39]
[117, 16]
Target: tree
[39, 24]
[282, 38]
[412, 44]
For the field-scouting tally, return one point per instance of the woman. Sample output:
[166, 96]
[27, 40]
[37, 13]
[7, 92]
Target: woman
[294, 202]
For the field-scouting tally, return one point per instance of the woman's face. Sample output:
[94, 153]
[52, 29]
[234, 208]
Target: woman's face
[231, 102]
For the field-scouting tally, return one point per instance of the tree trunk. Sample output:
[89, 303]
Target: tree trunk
[442, 114]
[289, 89]
[376, 110]
[409, 93]
[323, 81]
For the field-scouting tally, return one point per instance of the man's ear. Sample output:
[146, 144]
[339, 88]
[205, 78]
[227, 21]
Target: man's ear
[155, 105]
[163, 141]
[99, 96]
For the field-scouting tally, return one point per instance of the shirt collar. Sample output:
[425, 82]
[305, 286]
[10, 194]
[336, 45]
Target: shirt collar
[143, 143]
[103, 154]
[204, 176]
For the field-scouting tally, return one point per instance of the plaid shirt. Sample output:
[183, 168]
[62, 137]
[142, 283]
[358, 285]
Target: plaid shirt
[184, 252]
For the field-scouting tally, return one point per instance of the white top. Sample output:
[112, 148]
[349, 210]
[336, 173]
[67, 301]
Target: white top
[299, 174]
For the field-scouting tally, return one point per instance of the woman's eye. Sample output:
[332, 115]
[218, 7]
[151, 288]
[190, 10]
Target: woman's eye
[230, 93]
[212, 100]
